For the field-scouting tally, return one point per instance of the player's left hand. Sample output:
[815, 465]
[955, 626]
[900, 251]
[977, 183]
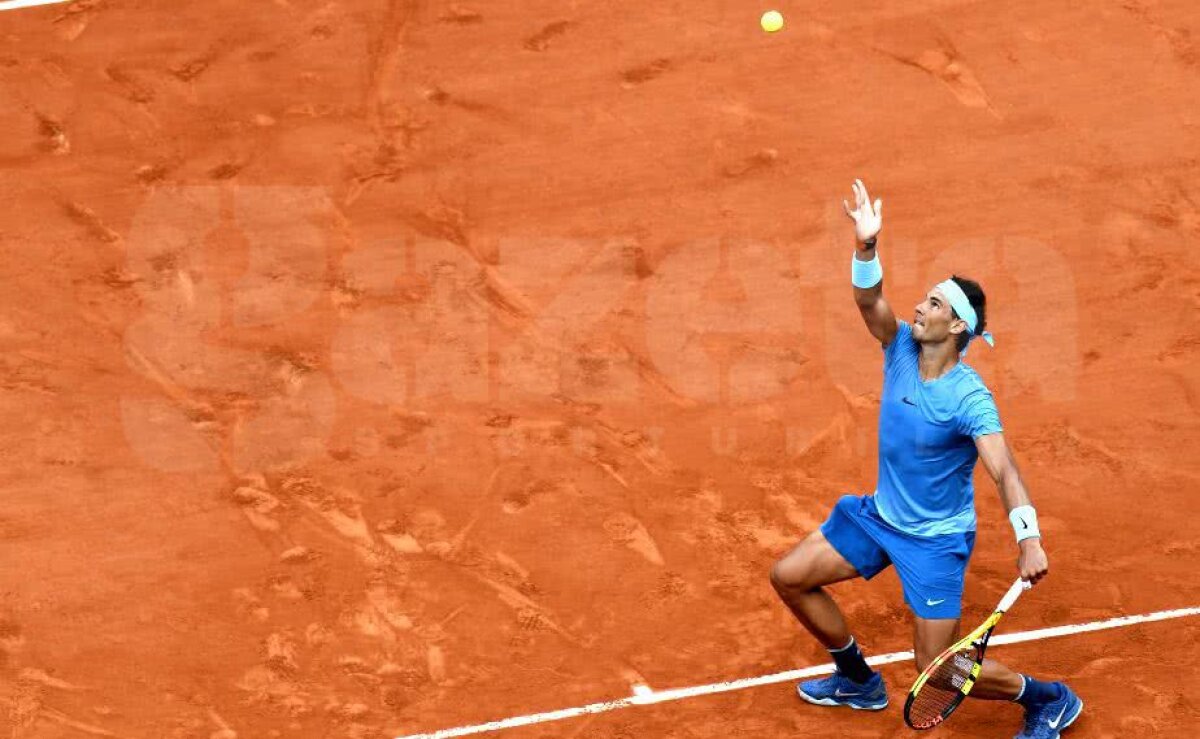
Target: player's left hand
[1032, 561]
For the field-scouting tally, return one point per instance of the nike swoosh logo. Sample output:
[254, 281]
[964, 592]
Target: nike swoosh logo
[1054, 724]
[906, 400]
[1024, 524]
[934, 602]
[838, 693]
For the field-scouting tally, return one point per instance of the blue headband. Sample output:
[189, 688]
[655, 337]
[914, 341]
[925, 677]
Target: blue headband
[962, 306]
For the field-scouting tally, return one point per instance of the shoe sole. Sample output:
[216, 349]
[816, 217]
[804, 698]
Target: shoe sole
[832, 702]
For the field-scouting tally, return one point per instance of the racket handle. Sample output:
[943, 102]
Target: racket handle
[1018, 587]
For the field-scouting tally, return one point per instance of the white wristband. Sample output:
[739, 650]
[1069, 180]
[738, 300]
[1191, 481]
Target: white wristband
[1024, 522]
[866, 274]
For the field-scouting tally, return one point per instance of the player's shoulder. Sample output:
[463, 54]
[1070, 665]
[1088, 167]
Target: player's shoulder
[970, 375]
[970, 385]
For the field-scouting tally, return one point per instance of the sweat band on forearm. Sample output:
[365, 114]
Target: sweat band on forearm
[866, 274]
[1024, 522]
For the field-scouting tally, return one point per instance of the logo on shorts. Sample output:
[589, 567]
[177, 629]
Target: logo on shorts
[934, 602]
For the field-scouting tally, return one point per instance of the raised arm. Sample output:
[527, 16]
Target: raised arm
[1031, 561]
[868, 221]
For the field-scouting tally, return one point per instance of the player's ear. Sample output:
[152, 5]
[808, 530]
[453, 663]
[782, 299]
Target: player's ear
[957, 326]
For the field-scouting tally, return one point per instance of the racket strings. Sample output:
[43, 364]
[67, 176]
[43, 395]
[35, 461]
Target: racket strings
[943, 690]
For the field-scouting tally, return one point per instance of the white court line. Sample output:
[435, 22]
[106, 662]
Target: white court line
[644, 696]
[18, 4]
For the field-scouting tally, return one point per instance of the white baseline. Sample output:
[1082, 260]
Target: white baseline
[644, 696]
[18, 4]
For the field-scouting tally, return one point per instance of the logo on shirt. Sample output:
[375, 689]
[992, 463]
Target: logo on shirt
[906, 400]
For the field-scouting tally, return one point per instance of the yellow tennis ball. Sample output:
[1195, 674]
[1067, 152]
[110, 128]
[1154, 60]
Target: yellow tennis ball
[771, 21]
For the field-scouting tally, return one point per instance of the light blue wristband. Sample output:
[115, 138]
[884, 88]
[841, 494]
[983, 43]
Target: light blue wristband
[1024, 522]
[866, 274]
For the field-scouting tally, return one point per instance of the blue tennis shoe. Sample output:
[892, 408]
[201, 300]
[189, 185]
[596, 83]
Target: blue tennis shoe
[1048, 720]
[839, 690]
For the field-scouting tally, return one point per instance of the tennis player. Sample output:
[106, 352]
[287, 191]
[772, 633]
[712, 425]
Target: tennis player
[936, 417]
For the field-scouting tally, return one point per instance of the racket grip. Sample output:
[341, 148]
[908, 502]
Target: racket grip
[1018, 587]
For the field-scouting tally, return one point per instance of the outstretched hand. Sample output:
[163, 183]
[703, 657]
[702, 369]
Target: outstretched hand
[868, 220]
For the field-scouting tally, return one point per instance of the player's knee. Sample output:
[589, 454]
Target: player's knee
[779, 579]
[790, 574]
[776, 577]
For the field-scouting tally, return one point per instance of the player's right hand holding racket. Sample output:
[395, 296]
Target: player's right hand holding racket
[945, 682]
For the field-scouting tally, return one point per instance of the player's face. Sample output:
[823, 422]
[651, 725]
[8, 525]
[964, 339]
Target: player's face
[933, 318]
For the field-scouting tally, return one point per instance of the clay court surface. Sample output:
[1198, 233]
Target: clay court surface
[376, 368]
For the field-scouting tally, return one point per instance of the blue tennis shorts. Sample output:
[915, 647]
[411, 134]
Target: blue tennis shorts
[931, 568]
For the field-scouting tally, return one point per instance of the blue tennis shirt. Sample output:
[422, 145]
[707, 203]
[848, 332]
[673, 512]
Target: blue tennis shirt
[926, 441]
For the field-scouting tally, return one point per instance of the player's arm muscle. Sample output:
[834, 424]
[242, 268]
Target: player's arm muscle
[876, 312]
[1032, 562]
[999, 462]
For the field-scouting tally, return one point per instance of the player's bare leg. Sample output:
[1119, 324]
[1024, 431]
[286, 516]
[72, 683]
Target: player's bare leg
[932, 636]
[799, 576]
[1049, 706]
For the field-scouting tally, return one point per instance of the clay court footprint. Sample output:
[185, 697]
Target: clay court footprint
[460, 15]
[249, 605]
[756, 162]
[625, 529]
[281, 653]
[644, 73]
[957, 76]
[540, 41]
[257, 505]
[11, 639]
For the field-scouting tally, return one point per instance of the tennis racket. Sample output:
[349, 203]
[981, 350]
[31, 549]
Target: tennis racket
[943, 685]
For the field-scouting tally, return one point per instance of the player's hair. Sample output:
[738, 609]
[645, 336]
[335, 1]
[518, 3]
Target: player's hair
[978, 301]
